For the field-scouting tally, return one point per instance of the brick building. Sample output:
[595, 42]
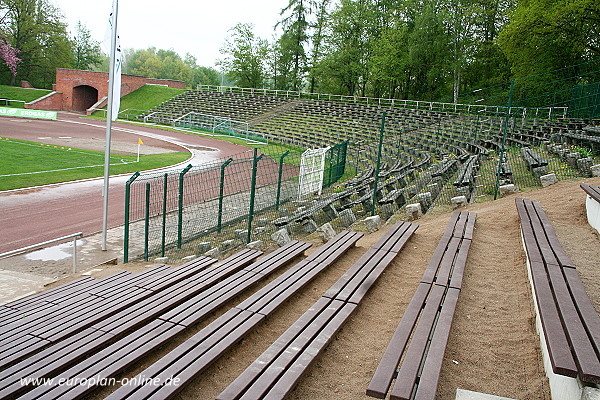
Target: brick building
[77, 90]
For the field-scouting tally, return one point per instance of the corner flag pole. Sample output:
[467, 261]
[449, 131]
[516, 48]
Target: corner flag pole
[109, 119]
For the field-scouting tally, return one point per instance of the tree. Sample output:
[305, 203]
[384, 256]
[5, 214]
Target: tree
[9, 55]
[293, 42]
[201, 75]
[35, 28]
[546, 35]
[158, 64]
[347, 49]
[319, 28]
[86, 51]
[244, 56]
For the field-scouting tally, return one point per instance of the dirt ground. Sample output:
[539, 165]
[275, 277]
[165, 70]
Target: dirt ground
[493, 347]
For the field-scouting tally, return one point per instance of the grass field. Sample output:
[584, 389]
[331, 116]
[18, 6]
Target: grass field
[24, 164]
[21, 94]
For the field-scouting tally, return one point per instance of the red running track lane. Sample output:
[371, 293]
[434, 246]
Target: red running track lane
[35, 215]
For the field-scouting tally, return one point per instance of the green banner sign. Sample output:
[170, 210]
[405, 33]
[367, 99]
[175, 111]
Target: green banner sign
[24, 113]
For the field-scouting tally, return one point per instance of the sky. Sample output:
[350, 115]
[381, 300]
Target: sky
[197, 27]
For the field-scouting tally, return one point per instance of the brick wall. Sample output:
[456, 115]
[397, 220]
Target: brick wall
[52, 101]
[67, 79]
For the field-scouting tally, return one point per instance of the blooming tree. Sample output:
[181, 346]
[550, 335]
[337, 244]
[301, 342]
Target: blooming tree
[9, 55]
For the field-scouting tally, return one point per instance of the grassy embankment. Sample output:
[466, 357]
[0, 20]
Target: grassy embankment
[19, 96]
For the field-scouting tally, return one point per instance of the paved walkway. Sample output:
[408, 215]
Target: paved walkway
[15, 285]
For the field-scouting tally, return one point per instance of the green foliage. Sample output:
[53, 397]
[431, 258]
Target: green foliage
[35, 28]
[545, 35]
[158, 64]
[583, 151]
[244, 57]
[86, 51]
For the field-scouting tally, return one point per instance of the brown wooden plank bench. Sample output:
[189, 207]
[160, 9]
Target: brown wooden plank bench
[427, 319]
[70, 302]
[53, 297]
[570, 326]
[27, 302]
[196, 354]
[70, 350]
[62, 322]
[592, 205]
[138, 343]
[116, 284]
[275, 373]
[592, 191]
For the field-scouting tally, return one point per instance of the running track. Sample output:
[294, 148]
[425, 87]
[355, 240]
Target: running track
[31, 216]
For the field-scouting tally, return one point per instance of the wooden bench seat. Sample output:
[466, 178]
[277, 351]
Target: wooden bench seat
[196, 354]
[68, 301]
[71, 349]
[118, 355]
[571, 327]
[54, 297]
[532, 159]
[592, 205]
[64, 321]
[104, 300]
[26, 302]
[466, 173]
[278, 369]
[427, 319]
[592, 191]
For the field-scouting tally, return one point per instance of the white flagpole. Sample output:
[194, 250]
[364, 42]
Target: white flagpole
[138, 158]
[109, 118]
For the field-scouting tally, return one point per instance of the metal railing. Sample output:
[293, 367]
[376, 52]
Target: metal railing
[22, 250]
[533, 112]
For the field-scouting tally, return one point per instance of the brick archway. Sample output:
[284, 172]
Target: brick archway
[84, 96]
[75, 89]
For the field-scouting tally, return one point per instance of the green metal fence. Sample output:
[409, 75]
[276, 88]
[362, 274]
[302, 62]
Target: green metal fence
[519, 135]
[231, 199]
[335, 164]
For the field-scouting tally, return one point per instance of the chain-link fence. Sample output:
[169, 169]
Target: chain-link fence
[511, 137]
[233, 200]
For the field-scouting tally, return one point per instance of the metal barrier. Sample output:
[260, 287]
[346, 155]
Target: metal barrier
[22, 250]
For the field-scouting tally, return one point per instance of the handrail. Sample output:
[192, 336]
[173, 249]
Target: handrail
[35, 246]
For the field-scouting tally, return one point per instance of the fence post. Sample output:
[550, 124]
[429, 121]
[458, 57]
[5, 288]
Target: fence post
[180, 210]
[75, 255]
[378, 163]
[221, 190]
[164, 216]
[503, 149]
[253, 191]
[147, 222]
[280, 173]
[126, 227]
